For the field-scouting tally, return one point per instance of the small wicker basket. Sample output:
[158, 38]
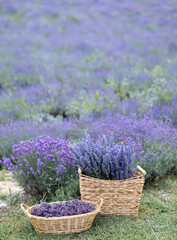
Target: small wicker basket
[121, 197]
[63, 225]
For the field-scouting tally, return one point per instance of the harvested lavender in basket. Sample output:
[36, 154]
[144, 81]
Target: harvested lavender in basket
[68, 208]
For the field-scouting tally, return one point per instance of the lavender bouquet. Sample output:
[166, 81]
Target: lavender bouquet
[104, 158]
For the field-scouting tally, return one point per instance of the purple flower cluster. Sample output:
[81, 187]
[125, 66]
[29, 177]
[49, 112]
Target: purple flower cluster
[104, 159]
[165, 109]
[154, 142]
[42, 164]
[134, 130]
[68, 208]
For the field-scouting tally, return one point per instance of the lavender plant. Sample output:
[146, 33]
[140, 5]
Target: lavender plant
[165, 108]
[69, 208]
[154, 142]
[104, 159]
[41, 166]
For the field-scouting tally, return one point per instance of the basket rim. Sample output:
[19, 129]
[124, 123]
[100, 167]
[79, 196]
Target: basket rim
[115, 180]
[97, 209]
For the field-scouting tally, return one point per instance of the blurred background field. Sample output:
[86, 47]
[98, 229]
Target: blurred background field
[68, 58]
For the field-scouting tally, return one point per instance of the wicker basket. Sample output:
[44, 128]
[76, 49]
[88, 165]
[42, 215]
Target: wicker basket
[63, 225]
[121, 197]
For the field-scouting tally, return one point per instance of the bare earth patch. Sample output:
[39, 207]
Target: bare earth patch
[3, 204]
[8, 187]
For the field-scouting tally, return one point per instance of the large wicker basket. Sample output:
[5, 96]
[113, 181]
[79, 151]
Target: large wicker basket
[120, 197]
[62, 225]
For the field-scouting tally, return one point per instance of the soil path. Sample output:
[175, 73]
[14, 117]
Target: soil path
[7, 186]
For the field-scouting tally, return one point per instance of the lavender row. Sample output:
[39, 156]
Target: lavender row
[121, 54]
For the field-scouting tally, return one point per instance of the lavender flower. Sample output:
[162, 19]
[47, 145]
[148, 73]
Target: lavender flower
[69, 208]
[39, 163]
[104, 158]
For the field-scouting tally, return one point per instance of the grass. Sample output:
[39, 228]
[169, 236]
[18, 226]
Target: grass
[157, 220]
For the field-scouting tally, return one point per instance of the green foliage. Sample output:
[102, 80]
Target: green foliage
[97, 95]
[13, 199]
[165, 95]
[3, 197]
[91, 58]
[122, 90]
[157, 71]
[68, 191]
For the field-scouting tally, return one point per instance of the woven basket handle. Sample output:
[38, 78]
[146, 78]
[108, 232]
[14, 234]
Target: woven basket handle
[24, 207]
[79, 171]
[141, 170]
[99, 203]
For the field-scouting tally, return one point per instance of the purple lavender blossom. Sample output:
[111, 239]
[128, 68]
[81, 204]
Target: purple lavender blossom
[104, 159]
[70, 208]
[41, 171]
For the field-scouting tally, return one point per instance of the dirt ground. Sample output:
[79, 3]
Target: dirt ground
[8, 186]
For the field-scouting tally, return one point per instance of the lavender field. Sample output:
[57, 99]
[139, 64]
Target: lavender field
[104, 66]
[84, 72]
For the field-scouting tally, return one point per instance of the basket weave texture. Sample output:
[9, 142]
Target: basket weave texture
[62, 225]
[120, 197]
